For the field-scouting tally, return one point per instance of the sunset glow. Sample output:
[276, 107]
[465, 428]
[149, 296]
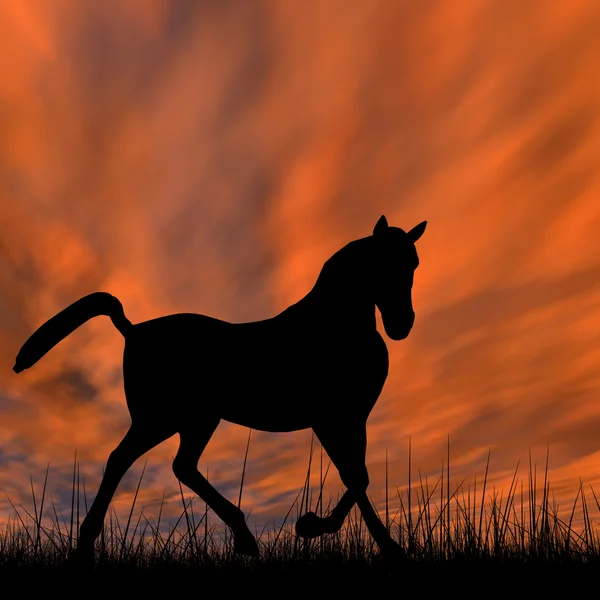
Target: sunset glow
[210, 157]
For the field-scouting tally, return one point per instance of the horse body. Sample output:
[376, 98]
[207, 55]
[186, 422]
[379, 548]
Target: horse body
[319, 364]
[280, 374]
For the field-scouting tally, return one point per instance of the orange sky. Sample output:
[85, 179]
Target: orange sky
[210, 156]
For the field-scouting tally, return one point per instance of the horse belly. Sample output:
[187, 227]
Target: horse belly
[267, 401]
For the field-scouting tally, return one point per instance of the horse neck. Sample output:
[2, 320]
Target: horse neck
[341, 293]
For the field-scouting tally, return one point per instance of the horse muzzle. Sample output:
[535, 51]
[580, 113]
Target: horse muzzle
[398, 329]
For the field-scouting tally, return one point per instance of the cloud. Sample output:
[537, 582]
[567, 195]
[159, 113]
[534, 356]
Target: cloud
[209, 157]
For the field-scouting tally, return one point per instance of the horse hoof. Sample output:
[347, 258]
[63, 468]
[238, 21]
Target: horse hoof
[245, 544]
[309, 525]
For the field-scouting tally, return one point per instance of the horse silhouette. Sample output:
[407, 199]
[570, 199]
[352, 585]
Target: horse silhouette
[320, 364]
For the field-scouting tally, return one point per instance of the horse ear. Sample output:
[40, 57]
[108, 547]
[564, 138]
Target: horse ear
[417, 231]
[381, 225]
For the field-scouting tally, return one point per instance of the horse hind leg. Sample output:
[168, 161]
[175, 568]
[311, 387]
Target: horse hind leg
[185, 467]
[137, 441]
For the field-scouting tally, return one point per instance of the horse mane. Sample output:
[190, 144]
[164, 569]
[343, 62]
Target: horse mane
[336, 270]
[345, 261]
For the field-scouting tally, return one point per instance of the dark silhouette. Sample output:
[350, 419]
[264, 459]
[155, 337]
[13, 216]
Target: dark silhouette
[319, 364]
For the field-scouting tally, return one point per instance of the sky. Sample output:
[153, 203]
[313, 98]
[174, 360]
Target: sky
[209, 157]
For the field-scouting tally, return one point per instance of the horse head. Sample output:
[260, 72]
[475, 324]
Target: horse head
[394, 261]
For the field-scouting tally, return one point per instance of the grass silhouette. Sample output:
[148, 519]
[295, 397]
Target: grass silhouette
[449, 532]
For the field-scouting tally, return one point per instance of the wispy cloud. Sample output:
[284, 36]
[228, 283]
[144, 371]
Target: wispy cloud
[209, 157]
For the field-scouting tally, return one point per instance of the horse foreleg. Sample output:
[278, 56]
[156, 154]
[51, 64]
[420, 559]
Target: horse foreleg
[185, 467]
[346, 446]
[310, 525]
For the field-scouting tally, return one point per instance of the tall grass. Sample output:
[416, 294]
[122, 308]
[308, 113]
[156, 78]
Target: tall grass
[435, 523]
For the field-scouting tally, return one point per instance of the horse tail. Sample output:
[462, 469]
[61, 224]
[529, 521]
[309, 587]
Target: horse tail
[68, 320]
